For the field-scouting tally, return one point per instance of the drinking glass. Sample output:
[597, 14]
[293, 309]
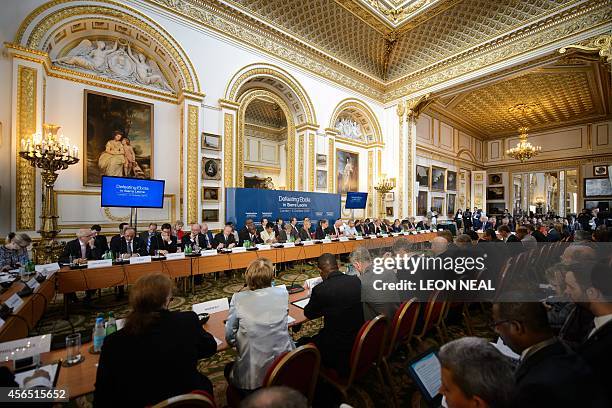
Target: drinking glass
[73, 348]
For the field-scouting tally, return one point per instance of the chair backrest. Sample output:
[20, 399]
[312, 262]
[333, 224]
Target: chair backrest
[368, 347]
[297, 369]
[403, 324]
[433, 313]
[195, 399]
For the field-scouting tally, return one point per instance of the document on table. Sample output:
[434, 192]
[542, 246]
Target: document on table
[301, 303]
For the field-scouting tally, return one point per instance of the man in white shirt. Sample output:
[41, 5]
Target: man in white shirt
[350, 231]
[267, 235]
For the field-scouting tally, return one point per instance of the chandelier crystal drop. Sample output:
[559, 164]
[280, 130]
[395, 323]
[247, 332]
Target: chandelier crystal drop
[524, 150]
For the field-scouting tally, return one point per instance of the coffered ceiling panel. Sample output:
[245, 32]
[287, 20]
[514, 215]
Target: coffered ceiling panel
[265, 113]
[547, 97]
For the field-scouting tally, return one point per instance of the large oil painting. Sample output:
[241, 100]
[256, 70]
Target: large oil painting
[347, 171]
[118, 138]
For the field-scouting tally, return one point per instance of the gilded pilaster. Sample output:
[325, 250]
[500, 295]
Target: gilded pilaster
[301, 163]
[228, 149]
[331, 162]
[25, 194]
[192, 163]
[311, 161]
[401, 110]
[372, 206]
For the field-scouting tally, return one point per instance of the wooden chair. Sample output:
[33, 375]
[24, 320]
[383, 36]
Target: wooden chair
[433, 318]
[297, 369]
[367, 353]
[400, 332]
[195, 399]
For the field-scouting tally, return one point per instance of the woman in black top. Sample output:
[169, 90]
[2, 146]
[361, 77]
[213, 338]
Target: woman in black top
[459, 218]
[155, 356]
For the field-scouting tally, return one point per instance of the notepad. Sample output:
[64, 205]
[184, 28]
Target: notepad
[52, 369]
[301, 303]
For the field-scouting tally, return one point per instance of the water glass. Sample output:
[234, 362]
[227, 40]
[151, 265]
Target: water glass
[73, 348]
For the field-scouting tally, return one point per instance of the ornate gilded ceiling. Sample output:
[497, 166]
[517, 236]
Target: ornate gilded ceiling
[568, 92]
[265, 113]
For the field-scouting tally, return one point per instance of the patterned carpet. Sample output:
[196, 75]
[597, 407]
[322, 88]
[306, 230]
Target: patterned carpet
[367, 392]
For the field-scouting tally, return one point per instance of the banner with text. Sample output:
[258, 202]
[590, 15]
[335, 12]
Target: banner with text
[243, 203]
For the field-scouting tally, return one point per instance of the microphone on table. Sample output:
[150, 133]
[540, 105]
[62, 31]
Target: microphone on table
[294, 287]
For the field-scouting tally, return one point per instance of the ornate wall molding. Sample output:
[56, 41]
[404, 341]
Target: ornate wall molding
[357, 105]
[601, 44]
[25, 188]
[228, 149]
[45, 24]
[371, 205]
[300, 141]
[192, 163]
[311, 162]
[331, 162]
[400, 111]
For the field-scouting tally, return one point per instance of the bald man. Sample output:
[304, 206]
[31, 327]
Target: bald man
[81, 249]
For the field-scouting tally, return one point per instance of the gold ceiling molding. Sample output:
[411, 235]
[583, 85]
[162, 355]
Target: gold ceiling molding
[602, 45]
[244, 100]
[548, 97]
[552, 165]
[49, 17]
[576, 20]
[266, 114]
[276, 74]
[367, 117]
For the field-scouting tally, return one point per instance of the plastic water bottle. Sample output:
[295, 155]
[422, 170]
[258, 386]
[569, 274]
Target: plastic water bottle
[111, 324]
[98, 335]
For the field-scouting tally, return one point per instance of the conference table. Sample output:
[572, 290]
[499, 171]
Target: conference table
[80, 379]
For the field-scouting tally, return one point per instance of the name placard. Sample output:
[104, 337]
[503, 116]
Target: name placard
[238, 250]
[343, 239]
[384, 235]
[326, 241]
[177, 255]
[373, 237]
[212, 306]
[140, 259]
[359, 238]
[307, 243]
[264, 247]
[33, 283]
[47, 269]
[102, 263]
[413, 232]
[406, 232]
[289, 244]
[23, 348]
[209, 252]
[14, 302]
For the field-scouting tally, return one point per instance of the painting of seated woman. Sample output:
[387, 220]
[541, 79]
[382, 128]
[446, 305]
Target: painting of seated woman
[119, 138]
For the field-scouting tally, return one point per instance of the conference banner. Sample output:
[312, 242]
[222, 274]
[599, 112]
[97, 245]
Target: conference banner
[243, 203]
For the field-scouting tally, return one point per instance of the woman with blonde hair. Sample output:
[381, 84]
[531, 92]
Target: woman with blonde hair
[155, 356]
[257, 326]
[14, 253]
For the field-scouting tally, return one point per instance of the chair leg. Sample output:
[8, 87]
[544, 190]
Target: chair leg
[383, 385]
[390, 381]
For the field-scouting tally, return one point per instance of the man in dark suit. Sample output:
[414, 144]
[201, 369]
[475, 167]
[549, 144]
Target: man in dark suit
[195, 238]
[81, 250]
[99, 240]
[320, 232]
[130, 244]
[593, 291]
[147, 236]
[244, 230]
[338, 300]
[250, 234]
[305, 230]
[225, 239]
[286, 235]
[209, 238]
[375, 227]
[165, 242]
[334, 230]
[117, 238]
[295, 231]
[549, 374]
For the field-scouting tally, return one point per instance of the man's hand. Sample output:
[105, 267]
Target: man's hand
[231, 246]
[220, 246]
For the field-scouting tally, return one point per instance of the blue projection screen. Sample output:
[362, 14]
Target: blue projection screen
[243, 203]
[355, 200]
[132, 192]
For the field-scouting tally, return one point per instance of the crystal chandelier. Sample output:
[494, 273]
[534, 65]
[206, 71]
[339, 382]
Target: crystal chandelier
[524, 150]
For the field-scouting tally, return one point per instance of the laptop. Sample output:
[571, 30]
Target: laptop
[425, 371]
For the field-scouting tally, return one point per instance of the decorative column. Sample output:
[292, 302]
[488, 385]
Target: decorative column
[414, 107]
[229, 112]
[191, 129]
[306, 161]
[331, 159]
[401, 110]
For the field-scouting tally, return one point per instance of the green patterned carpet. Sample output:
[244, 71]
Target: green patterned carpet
[367, 392]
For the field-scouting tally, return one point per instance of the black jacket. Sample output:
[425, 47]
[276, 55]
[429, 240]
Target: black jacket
[200, 240]
[319, 233]
[304, 234]
[220, 239]
[338, 300]
[157, 242]
[74, 248]
[145, 236]
[596, 352]
[555, 376]
[120, 246]
[101, 243]
[139, 370]
[244, 235]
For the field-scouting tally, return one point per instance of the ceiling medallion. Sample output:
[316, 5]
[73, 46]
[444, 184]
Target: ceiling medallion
[524, 150]
[522, 108]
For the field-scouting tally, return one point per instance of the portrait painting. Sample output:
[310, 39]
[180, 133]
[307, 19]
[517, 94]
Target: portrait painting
[437, 178]
[347, 171]
[118, 138]
[210, 193]
[321, 180]
[389, 211]
[211, 141]
[210, 215]
[422, 176]
[211, 169]
[451, 180]
[600, 170]
[450, 205]
[495, 178]
[437, 205]
[321, 160]
[422, 203]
